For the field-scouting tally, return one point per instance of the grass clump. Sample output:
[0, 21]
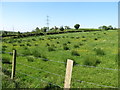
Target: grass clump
[69, 42]
[75, 53]
[99, 51]
[47, 44]
[26, 51]
[6, 60]
[14, 44]
[51, 48]
[95, 39]
[65, 44]
[76, 46]
[91, 61]
[66, 48]
[22, 45]
[30, 58]
[33, 39]
[28, 44]
[36, 53]
[36, 44]
[81, 44]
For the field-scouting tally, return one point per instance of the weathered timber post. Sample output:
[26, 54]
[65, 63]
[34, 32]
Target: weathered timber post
[68, 74]
[13, 64]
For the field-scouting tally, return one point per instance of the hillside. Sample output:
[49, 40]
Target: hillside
[41, 60]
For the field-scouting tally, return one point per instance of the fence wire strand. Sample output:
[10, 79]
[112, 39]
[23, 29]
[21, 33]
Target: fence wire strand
[96, 67]
[41, 70]
[80, 64]
[6, 52]
[39, 79]
[96, 84]
[65, 62]
[58, 74]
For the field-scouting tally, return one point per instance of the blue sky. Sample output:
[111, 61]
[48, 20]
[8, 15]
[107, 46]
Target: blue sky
[26, 16]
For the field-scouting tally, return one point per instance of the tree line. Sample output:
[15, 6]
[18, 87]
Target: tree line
[54, 30]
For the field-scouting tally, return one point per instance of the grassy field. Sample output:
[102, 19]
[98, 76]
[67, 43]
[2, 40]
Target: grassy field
[40, 60]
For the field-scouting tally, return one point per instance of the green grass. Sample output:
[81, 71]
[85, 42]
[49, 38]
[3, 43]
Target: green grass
[97, 49]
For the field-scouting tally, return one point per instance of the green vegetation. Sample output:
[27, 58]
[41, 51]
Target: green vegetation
[40, 65]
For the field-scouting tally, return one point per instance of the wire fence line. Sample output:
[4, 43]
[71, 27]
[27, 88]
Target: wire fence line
[39, 79]
[96, 84]
[40, 69]
[97, 67]
[61, 75]
[65, 62]
[6, 52]
[77, 64]
[42, 58]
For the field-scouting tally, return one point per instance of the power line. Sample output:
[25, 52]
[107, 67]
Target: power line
[47, 23]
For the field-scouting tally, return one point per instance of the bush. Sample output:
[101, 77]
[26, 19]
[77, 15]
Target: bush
[75, 53]
[66, 48]
[91, 61]
[30, 58]
[99, 51]
[51, 49]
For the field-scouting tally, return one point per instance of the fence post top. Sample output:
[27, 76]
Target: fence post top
[70, 60]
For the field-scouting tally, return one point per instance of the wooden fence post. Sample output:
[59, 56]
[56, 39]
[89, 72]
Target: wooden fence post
[13, 64]
[68, 74]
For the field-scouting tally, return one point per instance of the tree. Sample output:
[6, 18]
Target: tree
[67, 27]
[56, 28]
[110, 27]
[44, 29]
[104, 27]
[61, 28]
[19, 32]
[52, 28]
[76, 26]
[100, 27]
[37, 28]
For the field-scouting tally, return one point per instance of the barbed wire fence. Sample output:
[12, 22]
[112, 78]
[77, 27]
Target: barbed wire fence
[61, 76]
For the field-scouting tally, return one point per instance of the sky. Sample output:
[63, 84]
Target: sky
[26, 16]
